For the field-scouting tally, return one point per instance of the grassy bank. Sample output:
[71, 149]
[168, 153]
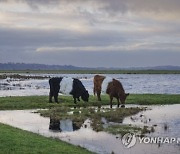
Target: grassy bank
[17, 141]
[93, 71]
[34, 102]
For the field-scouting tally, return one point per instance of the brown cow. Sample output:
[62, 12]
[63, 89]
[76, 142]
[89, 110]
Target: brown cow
[110, 86]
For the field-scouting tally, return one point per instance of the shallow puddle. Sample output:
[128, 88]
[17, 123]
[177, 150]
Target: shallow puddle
[102, 142]
[164, 118]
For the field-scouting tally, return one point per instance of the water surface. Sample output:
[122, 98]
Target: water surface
[133, 83]
[102, 142]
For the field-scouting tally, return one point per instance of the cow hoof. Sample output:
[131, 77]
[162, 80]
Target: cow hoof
[123, 106]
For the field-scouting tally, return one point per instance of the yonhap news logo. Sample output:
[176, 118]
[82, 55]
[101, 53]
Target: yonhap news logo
[130, 139]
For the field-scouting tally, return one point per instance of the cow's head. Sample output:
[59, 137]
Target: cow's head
[123, 99]
[85, 96]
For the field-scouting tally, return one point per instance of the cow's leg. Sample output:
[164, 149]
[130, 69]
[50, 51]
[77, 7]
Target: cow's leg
[94, 91]
[122, 104]
[56, 97]
[99, 95]
[50, 97]
[118, 102]
[78, 99]
[74, 99]
[111, 99]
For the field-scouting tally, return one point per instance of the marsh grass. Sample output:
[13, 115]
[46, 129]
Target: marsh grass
[123, 129]
[153, 99]
[78, 116]
[35, 102]
[17, 141]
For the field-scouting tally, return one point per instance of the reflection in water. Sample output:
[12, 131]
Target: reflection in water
[65, 125]
[54, 124]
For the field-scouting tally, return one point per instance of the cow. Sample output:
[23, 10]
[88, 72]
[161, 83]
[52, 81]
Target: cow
[67, 86]
[110, 86]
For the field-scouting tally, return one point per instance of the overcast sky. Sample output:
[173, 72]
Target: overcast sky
[91, 33]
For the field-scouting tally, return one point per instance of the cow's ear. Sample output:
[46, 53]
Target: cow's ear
[113, 82]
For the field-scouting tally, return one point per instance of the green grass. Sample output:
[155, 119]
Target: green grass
[122, 129]
[153, 99]
[16, 141]
[94, 71]
[34, 102]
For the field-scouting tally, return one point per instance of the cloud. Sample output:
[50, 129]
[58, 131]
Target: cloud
[112, 32]
[113, 5]
[84, 16]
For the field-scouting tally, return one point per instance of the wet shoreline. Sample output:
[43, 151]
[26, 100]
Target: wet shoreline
[99, 142]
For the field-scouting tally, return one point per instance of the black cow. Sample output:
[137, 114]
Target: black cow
[67, 85]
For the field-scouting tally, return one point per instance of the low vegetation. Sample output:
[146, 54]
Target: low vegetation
[115, 116]
[18, 76]
[34, 102]
[17, 141]
[79, 115]
[123, 129]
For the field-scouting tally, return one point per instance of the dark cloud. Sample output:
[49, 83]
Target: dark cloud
[95, 59]
[57, 38]
[115, 6]
[108, 5]
[21, 46]
[141, 5]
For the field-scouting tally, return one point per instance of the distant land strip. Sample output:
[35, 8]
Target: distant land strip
[69, 69]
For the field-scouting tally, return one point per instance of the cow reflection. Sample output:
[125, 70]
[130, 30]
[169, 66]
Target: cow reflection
[65, 125]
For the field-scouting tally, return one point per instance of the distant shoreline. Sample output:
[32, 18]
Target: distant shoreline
[93, 71]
